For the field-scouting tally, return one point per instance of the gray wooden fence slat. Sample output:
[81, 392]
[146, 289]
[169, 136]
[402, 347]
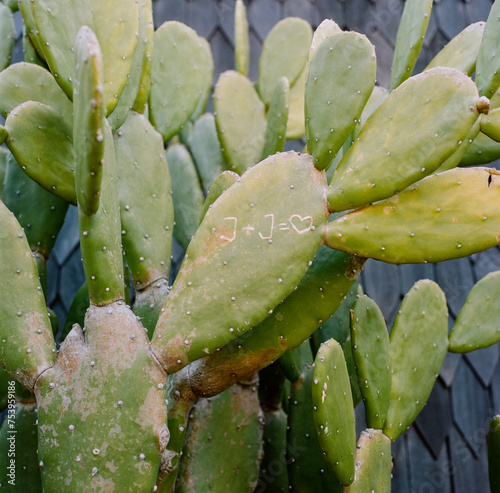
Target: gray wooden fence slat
[427, 474]
[484, 362]
[470, 407]
[450, 367]
[381, 283]
[410, 272]
[469, 474]
[456, 280]
[434, 422]
[451, 16]
[400, 472]
[486, 262]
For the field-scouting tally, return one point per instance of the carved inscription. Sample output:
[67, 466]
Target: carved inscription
[296, 222]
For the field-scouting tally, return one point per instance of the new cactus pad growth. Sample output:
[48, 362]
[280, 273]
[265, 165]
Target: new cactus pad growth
[109, 115]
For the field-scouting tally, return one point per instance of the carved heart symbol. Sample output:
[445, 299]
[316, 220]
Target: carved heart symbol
[297, 223]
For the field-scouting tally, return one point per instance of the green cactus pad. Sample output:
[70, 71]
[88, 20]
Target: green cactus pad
[456, 158]
[409, 40]
[482, 150]
[7, 35]
[141, 101]
[88, 129]
[40, 213]
[339, 82]
[178, 77]
[373, 464]
[326, 29]
[295, 128]
[389, 154]
[77, 310]
[307, 467]
[275, 62]
[241, 39]
[488, 64]
[290, 364]
[205, 149]
[24, 82]
[277, 119]
[100, 235]
[419, 343]
[461, 52]
[478, 323]
[186, 193]
[146, 207]
[282, 226]
[30, 53]
[136, 91]
[494, 454]
[43, 149]
[427, 222]
[105, 400]
[273, 474]
[3, 169]
[334, 411]
[3, 134]
[337, 326]
[219, 186]
[20, 428]
[27, 347]
[213, 457]
[321, 291]
[241, 120]
[26, 9]
[207, 85]
[490, 124]
[116, 26]
[370, 349]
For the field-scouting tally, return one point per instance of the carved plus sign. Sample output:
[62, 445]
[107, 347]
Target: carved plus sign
[248, 230]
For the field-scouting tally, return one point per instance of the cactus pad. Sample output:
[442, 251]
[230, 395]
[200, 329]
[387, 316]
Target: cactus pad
[333, 410]
[282, 225]
[419, 343]
[427, 222]
[437, 107]
[478, 323]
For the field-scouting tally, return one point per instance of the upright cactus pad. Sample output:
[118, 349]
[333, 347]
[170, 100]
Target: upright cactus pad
[488, 63]
[340, 79]
[88, 128]
[105, 400]
[427, 222]
[418, 345]
[146, 207]
[408, 137]
[370, 349]
[178, 77]
[241, 39]
[213, 458]
[462, 51]
[27, 347]
[274, 62]
[277, 119]
[116, 26]
[7, 35]
[205, 149]
[373, 464]
[186, 193]
[334, 411]
[494, 454]
[409, 40]
[241, 121]
[478, 323]
[281, 225]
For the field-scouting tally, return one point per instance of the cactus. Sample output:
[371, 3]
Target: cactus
[109, 116]
[493, 454]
